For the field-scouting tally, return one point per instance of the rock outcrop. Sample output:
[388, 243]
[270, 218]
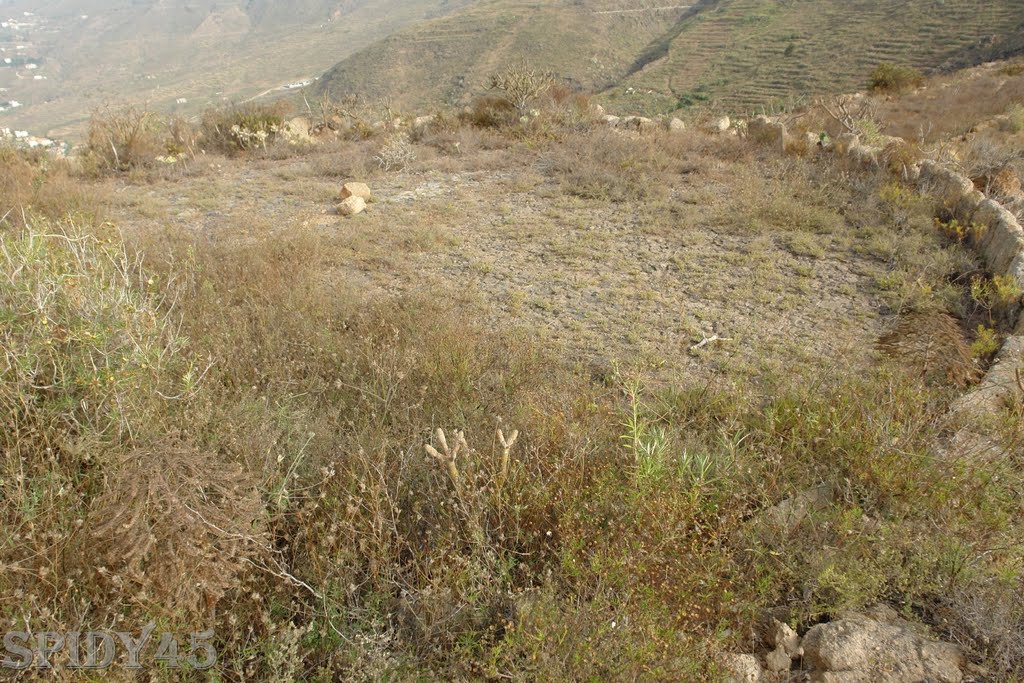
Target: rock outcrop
[877, 646]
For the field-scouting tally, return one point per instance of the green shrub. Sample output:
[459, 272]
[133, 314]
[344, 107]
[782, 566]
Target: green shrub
[1015, 118]
[894, 77]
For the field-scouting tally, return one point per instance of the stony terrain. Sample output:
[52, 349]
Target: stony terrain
[638, 282]
[524, 392]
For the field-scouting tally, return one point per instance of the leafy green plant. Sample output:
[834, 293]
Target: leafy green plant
[986, 343]
[1015, 118]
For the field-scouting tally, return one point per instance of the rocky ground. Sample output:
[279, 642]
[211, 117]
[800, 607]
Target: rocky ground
[720, 274]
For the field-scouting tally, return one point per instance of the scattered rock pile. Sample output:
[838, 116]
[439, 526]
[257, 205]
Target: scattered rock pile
[874, 645]
[354, 197]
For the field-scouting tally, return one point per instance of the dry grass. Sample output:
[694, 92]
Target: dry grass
[934, 345]
[262, 393]
[32, 183]
[952, 105]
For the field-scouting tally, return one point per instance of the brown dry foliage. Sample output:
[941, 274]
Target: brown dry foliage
[951, 105]
[934, 345]
[32, 182]
[489, 111]
[124, 138]
[175, 526]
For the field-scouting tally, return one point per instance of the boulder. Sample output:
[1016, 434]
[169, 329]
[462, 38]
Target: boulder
[639, 123]
[995, 391]
[719, 125]
[843, 142]
[742, 669]
[611, 120]
[421, 123]
[877, 646]
[350, 206]
[361, 190]
[788, 514]
[675, 125]
[786, 639]
[864, 155]
[787, 647]
[297, 130]
[1001, 241]
[598, 111]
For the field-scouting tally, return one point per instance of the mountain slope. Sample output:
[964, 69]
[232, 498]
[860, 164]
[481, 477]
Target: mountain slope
[735, 55]
[741, 54]
[160, 51]
[448, 59]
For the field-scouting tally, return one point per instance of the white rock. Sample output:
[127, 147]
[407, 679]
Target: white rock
[877, 646]
[361, 190]
[720, 125]
[742, 669]
[351, 206]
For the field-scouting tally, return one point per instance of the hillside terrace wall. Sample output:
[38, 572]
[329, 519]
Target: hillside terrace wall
[999, 242]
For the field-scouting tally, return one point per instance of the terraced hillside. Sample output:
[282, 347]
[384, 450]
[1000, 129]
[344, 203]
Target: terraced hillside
[733, 55]
[737, 55]
[591, 42]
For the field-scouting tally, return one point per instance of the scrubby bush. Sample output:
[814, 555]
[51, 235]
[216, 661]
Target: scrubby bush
[520, 85]
[488, 111]
[894, 78]
[1015, 118]
[245, 127]
[125, 138]
[33, 183]
[397, 152]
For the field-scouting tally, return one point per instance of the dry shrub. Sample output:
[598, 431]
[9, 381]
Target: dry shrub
[986, 618]
[895, 78]
[934, 345]
[396, 153]
[607, 165]
[952, 105]
[988, 154]
[488, 111]
[243, 127]
[125, 138]
[183, 138]
[343, 159]
[520, 85]
[174, 528]
[899, 157]
[1001, 183]
[32, 183]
